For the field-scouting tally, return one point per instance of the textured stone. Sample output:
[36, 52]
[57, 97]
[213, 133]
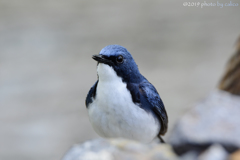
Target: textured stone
[216, 120]
[192, 155]
[215, 152]
[119, 149]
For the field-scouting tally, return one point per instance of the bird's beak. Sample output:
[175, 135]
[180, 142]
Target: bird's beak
[101, 59]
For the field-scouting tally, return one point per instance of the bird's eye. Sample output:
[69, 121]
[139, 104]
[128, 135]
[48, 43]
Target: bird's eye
[120, 59]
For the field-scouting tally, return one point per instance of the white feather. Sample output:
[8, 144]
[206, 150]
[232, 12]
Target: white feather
[113, 114]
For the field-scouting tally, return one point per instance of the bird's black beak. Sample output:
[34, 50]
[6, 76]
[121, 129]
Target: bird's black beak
[101, 59]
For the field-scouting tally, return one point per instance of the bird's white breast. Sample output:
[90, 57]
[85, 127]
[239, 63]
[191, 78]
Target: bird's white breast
[113, 114]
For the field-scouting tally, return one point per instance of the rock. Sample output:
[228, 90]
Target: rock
[191, 155]
[119, 149]
[216, 120]
[215, 152]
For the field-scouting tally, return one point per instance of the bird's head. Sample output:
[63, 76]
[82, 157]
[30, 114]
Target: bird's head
[120, 60]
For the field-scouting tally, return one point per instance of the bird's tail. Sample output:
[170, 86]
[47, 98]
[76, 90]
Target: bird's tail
[161, 140]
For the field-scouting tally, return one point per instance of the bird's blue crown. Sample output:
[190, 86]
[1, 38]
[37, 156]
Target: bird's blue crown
[127, 69]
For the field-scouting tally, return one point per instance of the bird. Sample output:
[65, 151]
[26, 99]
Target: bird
[123, 103]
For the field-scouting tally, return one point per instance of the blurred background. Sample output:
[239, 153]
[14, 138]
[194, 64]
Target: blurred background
[46, 69]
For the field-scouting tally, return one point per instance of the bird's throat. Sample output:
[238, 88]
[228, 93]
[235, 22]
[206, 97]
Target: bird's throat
[107, 74]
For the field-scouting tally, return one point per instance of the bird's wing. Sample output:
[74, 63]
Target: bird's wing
[148, 91]
[91, 94]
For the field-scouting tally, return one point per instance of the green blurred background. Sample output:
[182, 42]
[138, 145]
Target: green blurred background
[46, 67]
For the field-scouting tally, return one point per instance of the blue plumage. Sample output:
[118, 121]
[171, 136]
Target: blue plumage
[143, 93]
[91, 94]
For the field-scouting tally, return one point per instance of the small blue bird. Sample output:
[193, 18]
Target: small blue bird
[122, 103]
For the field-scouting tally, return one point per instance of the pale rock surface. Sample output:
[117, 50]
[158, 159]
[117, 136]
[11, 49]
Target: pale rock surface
[216, 120]
[119, 149]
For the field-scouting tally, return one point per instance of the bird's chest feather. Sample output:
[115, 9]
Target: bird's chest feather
[113, 113]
